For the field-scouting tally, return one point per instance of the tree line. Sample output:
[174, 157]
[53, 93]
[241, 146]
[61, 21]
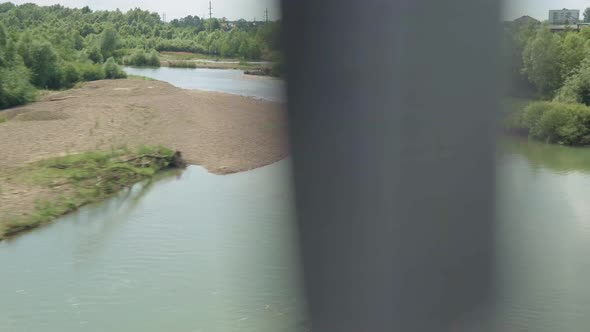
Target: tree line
[554, 69]
[54, 47]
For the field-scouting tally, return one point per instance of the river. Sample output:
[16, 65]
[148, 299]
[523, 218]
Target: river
[190, 251]
[193, 251]
[226, 80]
[543, 237]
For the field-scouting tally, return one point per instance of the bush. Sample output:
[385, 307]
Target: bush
[153, 59]
[15, 86]
[141, 58]
[112, 70]
[94, 54]
[563, 123]
[182, 64]
[90, 72]
[70, 75]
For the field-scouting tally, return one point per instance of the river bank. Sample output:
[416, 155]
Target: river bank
[64, 184]
[224, 133]
[192, 60]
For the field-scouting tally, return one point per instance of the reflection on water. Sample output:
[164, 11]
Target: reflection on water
[188, 252]
[543, 237]
[560, 159]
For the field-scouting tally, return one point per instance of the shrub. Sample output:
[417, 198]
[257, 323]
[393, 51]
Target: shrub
[551, 120]
[533, 113]
[112, 70]
[90, 72]
[70, 75]
[140, 58]
[15, 86]
[153, 59]
[182, 64]
[94, 54]
[563, 123]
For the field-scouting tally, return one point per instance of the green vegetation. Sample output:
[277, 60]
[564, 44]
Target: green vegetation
[555, 68]
[182, 64]
[142, 58]
[54, 47]
[552, 122]
[79, 179]
[42, 55]
[112, 70]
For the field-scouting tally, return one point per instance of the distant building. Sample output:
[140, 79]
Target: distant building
[525, 19]
[521, 21]
[564, 16]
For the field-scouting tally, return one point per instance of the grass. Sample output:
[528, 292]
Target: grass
[3, 119]
[79, 179]
[182, 64]
[167, 56]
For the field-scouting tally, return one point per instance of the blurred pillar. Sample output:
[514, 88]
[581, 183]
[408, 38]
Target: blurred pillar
[392, 109]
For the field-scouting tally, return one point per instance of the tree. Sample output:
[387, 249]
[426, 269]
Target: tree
[576, 88]
[573, 52]
[94, 54]
[112, 69]
[44, 65]
[542, 61]
[109, 42]
[2, 36]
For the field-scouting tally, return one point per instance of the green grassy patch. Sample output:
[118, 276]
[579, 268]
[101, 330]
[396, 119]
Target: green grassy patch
[79, 179]
[3, 119]
[182, 64]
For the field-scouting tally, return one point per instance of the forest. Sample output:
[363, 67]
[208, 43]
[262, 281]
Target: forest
[54, 47]
[550, 82]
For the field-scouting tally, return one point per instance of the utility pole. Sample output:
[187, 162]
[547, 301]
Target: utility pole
[266, 14]
[164, 17]
[210, 16]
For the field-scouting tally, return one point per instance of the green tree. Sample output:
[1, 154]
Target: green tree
[542, 60]
[3, 36]
[576, 88]
[112, 70]
[573, 52]
[94, 54]
[109, 42]
[44, 65]
[77, 41]
[15, 87]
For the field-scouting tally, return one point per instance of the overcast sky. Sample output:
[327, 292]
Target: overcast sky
[539, 9]
[232, 9]
[249, 9]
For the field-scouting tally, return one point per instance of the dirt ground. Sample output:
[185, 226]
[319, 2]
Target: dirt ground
[223, 133]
